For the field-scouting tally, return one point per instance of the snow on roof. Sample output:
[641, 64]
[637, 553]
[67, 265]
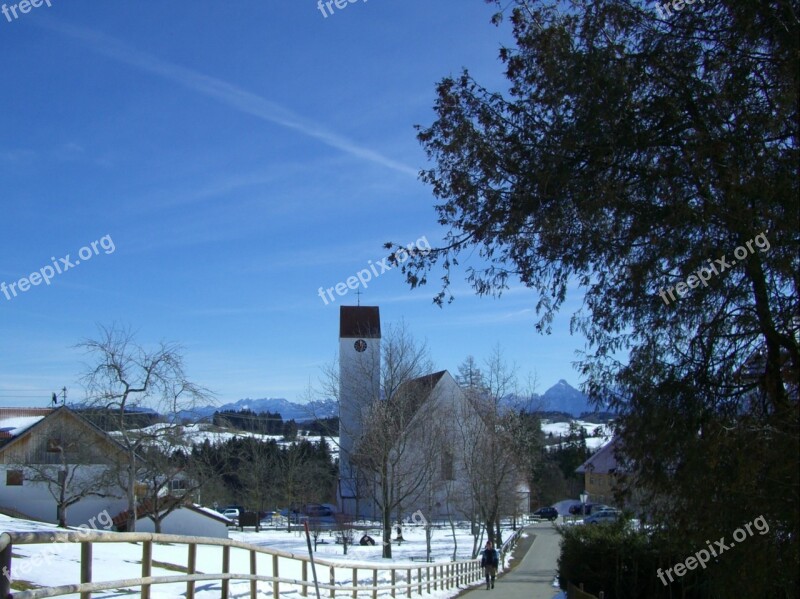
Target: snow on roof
[18, 425]
[211, 512]
[603, 462]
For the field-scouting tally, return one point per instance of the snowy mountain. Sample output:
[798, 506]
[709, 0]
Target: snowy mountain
[562, 397]
[287, 409]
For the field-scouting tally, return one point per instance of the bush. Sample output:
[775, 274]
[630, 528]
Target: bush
[623, 563]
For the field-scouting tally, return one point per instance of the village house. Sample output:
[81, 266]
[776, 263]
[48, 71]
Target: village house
[52, 455]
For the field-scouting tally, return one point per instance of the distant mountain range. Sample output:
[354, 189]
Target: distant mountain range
[561, 397]
[287, 409]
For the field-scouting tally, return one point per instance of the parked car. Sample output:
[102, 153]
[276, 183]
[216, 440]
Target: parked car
[314, 510]
[603, 516]
[576, 509]
[546, 513]
[232, 513]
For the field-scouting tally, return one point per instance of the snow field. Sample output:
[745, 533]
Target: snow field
[59, 563]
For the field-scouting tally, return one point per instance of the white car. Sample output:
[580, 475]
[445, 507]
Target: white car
[232, 514]
[602, 516]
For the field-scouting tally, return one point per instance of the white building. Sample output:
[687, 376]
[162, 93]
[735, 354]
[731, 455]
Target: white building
[438, 420]
[55, 443]
[190, 520]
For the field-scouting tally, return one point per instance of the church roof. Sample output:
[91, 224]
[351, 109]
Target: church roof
[416, 392]
[359, 321]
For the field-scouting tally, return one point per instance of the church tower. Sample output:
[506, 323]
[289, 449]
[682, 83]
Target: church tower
[359, 384]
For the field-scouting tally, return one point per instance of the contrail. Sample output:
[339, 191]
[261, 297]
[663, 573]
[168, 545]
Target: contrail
[226, 93]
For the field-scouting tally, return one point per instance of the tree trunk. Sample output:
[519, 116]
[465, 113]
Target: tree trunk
[453, 532]
[62, 504]
[131, 524]
[428, 536]
[386, 520]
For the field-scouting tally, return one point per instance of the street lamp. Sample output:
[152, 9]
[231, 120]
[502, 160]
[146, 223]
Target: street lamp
[584, 499]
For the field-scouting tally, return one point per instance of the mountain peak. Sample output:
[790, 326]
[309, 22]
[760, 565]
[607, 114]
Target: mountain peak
[563, 397]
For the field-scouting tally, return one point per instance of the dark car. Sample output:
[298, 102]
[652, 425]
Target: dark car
[546, 513]
[315, 510]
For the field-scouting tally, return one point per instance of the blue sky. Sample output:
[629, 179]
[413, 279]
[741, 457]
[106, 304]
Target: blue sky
[237, 156]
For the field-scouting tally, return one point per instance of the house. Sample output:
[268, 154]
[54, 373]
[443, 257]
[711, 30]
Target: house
[47, 452]
[600, 473]
[188, 519]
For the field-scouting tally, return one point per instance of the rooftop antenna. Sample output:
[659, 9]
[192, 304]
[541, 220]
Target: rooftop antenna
[358, 294]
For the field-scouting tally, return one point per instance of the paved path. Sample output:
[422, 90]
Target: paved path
[532, 578]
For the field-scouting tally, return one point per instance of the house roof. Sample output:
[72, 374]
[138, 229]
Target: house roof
[359, 321]
[122, 517]
[14, 421]
[22, 422]
[604, 461]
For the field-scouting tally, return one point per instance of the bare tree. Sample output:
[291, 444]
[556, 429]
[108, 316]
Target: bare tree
[393, 449]
[345, 530]
[123, 376]
[172, 476]
[490, 437]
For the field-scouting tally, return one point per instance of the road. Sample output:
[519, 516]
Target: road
[532, 578]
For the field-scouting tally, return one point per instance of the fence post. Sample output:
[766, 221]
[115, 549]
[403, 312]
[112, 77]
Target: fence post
[86, 567]
[304, 591]
[191, 569]
[355, 583]
[147, 562]
[226, 568]
[333, 581]
[428, 576]
[253, 570]
[394, 582]
[374, 584]
[5, 568]
[275, 576]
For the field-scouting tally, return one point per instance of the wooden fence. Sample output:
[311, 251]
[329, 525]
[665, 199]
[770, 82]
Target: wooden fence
[405, 578]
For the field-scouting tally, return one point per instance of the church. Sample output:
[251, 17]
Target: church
[430, 434]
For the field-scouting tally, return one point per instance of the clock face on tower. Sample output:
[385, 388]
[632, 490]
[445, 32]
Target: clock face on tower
[360, 345]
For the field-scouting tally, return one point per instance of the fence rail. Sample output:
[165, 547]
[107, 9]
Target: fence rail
[405, 578]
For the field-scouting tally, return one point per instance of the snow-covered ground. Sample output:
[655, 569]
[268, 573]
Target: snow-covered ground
[59, 563]
[597, 435]
[198, 433]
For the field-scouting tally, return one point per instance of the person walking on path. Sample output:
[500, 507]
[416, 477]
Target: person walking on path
[489, 563]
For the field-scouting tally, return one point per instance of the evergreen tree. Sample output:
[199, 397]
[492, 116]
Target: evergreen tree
[652, 159]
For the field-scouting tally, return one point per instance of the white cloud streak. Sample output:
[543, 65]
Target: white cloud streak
[226, 93]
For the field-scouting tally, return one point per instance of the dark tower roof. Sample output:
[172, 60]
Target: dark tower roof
[359, 321]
